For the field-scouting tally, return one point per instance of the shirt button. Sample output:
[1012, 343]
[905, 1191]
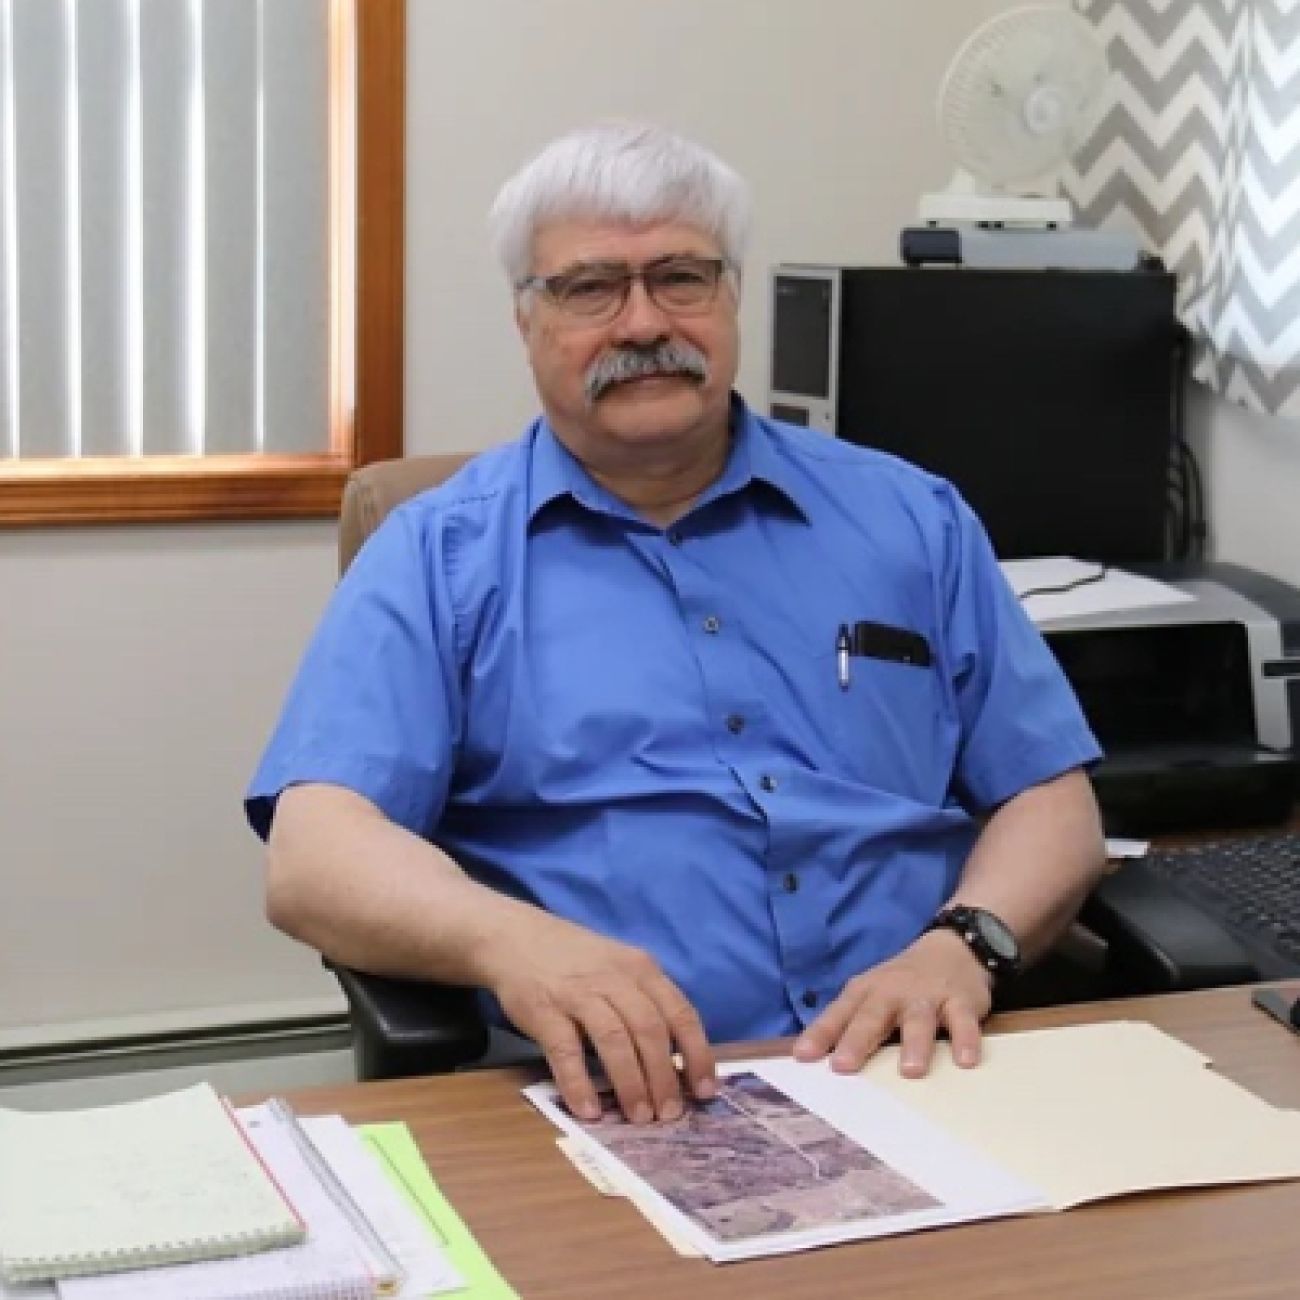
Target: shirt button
[790, 882]
[674, 537]
[712, 624]
[767, 782]
[810, 999]
[735, 724]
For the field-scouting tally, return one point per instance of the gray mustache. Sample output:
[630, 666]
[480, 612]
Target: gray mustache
[665, 358]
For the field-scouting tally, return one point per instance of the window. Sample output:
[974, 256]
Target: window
[164, 381]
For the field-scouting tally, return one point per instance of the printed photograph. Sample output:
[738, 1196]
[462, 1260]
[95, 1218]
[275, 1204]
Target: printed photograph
[752, 1162]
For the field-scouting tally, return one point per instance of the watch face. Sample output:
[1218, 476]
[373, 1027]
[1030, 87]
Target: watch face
[997, 936]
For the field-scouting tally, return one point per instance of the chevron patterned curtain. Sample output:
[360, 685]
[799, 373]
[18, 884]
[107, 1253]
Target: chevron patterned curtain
[1199, 147]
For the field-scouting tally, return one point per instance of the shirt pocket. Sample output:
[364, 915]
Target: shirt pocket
[889, 724]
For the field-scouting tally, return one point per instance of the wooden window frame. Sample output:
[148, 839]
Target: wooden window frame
[151, 489]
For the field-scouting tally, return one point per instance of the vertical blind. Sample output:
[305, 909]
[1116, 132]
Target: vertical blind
[165, 227]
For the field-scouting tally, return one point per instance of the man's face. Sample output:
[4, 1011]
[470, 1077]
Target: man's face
[563, 348]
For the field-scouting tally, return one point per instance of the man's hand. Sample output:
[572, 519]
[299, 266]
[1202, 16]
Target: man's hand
[565, 986]
[936, 983]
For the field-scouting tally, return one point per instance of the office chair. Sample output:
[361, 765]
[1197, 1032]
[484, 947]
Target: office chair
[1126, 946]
[402, 1028]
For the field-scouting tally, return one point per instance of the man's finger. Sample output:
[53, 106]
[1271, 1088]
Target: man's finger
[964, 1032]
[699, 1065]
[608, 1035]
[873, 1022]
[918, 1024]
[650, 1037]
[825, 1032]
[562, 1045]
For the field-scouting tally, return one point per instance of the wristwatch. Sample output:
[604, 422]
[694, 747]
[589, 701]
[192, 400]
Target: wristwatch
[986, 935]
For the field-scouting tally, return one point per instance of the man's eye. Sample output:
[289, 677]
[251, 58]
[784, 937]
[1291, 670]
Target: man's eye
[589, 288]
[682, 277]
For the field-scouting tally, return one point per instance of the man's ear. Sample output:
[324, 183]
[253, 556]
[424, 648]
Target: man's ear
[522, 323]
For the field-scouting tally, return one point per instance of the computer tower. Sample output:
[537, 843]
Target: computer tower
[1048, 397]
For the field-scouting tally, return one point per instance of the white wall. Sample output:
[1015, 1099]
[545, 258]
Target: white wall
[140, 667]
[826, 106]
[1251, 468]
[139, 671]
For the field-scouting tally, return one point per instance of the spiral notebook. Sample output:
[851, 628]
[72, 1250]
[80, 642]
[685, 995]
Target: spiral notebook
[167, 1180]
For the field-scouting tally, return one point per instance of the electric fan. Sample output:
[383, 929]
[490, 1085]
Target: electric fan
[1016, 102]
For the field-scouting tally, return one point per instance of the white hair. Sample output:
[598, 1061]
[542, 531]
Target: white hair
[619, 171]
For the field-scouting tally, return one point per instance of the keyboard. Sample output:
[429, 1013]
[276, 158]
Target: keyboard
[1250, 886]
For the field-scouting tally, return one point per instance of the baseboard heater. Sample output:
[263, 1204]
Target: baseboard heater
[86, 1055]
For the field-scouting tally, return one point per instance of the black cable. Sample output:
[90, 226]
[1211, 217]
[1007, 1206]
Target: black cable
[1183, 533]
[1187, 531]
[1176, 503]
[1102, 571]
[1181, 380]
[1198, 529]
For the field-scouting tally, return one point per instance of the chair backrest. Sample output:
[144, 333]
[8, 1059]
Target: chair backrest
[372, 491]
[402, 1028]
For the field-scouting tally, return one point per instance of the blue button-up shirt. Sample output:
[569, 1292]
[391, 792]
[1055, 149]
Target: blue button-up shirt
[646, 730]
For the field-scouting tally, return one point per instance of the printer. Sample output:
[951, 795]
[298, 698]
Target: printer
[1196, 704]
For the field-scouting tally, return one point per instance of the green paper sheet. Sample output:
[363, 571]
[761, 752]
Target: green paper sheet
[394, 1148]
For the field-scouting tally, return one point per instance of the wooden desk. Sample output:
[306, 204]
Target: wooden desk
[551, 1235]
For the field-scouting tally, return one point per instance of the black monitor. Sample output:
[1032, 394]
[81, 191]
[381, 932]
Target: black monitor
[1047, 397]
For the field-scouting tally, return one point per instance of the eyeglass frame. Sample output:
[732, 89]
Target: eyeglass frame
[629, 275]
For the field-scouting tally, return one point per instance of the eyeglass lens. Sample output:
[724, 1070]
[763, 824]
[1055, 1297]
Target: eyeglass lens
[675, 284]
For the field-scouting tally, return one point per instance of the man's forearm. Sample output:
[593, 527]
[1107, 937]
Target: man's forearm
[1036, 859]
[368, 893]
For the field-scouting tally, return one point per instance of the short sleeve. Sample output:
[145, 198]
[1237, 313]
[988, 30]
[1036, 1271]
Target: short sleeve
[375, 706]
[1020, 721]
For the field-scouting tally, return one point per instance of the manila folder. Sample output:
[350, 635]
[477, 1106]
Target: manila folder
[1092, 1111]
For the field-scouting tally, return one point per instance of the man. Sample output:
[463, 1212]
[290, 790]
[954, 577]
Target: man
[667, 724]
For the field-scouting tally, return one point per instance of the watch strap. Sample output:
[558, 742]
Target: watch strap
[969, 923]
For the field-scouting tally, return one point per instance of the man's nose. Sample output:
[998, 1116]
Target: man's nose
[642, 320]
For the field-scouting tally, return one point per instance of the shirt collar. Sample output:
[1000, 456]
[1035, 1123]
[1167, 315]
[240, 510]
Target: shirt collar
[554, 473]
[754, 458]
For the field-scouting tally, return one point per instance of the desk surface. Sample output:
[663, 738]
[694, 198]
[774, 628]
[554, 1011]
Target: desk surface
[551, 1235]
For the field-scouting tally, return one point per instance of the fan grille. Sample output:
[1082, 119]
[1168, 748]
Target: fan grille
[1021, 93]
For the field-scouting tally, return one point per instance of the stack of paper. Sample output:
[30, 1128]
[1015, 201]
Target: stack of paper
[368, 1221]
[788, 1157]
[792, 1155]
[170, 1178]
[1058, 587]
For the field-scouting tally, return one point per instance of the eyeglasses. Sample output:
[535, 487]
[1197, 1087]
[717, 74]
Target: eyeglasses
[596, 292]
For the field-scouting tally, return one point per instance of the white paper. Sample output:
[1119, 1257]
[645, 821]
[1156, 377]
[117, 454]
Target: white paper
[428, 1270]
[121, 1179]
[332, 1253]
[1118, 848]
[959, 1183]
[1111, 591]
[584, 1158]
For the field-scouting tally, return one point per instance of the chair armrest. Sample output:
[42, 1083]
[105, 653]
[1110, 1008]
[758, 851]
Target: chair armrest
[1159, 942]
[402, 1028]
